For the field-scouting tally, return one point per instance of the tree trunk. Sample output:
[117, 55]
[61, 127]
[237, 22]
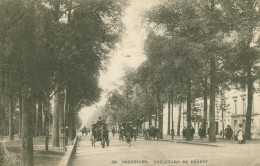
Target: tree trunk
[179, 120]
[34, 118]
[11, 121]
[172, 112]
[27, 158]
[188, 130]
[212, 129]
[61, 118]
[169, 117]
[55, 129]
[1, 117]
[20, 116]
[5, 129]
[72, 126]
[39, 118]
[159, 112]
[47, 122]
[249, 102]
[156, 117]
[212, 125]
[161, 122]
[205, 107]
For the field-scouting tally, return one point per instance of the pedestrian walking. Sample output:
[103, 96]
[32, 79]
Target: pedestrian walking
[172, 133]
[192, 132]
[240, 134]
[228, 132]
[201, 132]
[184, 132]
[113, 131]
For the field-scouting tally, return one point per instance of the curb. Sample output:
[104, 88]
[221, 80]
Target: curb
[194, 143]
[185, 142]
[65, 161]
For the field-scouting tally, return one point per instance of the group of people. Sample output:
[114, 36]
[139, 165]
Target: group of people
[85, 130]
[192, 132]
[128, 132]
[151, 132]
[238, 136]
[229, 134]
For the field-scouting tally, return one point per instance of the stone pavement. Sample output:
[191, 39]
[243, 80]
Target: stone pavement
[160, 152]
[220, 142]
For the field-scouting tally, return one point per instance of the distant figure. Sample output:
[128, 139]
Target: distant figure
[184, 132]
[192, 130]
[228, 132]
[84, 130]
[99, 122]
[67, 134]
[129, 133]
[201, 132]
[240, 134]
[172, 133]
[113, 131]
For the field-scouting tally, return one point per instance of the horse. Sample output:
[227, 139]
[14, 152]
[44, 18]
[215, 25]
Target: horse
[84, 130]
[153, 132]
[134, 133]
[121, 133]
[100, 133]
[129, 132]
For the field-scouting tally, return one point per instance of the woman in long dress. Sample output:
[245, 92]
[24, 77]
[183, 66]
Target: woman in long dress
[240, 135]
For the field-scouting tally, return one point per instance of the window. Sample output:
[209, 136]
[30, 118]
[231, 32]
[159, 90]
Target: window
[253, 106]
[235, 124]
[243, 105]
[235, 105]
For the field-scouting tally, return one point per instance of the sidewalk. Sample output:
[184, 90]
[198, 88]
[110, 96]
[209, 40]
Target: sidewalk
[220, 142]
[53, 157]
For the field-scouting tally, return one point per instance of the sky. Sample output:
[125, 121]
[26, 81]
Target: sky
[129, 53]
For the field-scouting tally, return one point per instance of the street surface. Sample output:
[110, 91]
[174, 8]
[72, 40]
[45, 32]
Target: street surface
[164, 153]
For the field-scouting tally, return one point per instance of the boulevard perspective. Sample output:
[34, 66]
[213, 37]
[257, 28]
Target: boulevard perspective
[129, 82]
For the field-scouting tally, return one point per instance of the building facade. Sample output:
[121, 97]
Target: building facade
[230, 109]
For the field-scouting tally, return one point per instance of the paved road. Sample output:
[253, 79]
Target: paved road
[163, 153]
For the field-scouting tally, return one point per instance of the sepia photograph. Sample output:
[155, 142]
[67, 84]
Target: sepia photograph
[129, 82]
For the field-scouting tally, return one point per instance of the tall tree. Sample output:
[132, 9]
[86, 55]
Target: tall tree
[244, 18]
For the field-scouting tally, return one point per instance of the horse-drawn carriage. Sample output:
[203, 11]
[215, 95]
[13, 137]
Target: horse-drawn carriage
[100, 133]
[84, 130]
[126, 131]
[151, 132]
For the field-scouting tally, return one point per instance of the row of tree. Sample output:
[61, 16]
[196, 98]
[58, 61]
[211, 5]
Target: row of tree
[52, 50]
[194, 49]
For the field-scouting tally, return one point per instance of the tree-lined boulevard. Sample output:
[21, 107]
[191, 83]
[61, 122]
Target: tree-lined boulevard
[151, 152]
[53, 51]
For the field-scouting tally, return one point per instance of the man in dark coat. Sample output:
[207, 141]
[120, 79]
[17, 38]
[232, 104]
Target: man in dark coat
[229, 132]
[192, 132]
[172, 133]
[184, 132]
[201, 132]
[113, 131]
